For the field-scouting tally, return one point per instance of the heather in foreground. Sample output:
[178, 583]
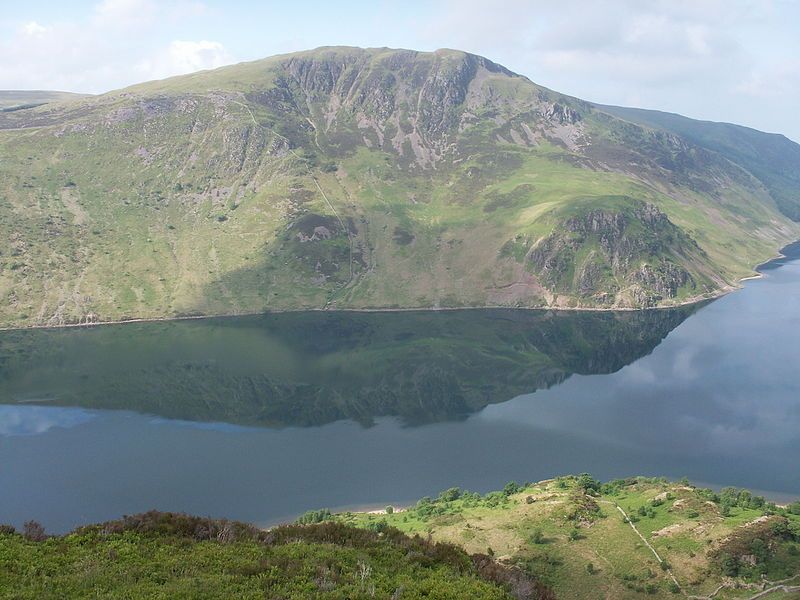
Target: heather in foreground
[167, 555]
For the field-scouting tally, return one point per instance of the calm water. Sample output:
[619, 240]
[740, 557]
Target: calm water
[261, 418]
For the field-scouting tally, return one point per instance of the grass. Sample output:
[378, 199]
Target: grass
[549, 529]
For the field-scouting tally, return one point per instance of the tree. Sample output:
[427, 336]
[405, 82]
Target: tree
[588, 483]
[450, 494]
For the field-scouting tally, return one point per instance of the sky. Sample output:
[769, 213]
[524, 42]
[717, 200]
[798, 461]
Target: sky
[721, 60]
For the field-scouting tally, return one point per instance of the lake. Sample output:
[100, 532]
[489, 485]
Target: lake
[261, 418]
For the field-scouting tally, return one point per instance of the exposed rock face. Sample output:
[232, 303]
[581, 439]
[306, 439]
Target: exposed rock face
[602, 252]
[409, 103]
[664, 279]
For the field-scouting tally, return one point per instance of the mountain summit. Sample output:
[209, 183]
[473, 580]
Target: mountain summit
[374, 178]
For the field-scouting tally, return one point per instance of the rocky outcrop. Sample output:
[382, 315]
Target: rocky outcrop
[631, 256]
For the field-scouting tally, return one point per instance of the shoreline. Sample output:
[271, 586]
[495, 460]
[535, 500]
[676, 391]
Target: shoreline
[688, 302]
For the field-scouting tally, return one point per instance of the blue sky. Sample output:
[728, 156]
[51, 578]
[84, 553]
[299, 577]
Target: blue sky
[731, 60]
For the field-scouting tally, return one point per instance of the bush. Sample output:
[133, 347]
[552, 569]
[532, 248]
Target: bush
[729, 565]
[450, 494]
[588, 483]
[590, 569]
[493, 499]
[33, 531]
[519, 583]
[378, 526]
[389, 510]
[511, 488]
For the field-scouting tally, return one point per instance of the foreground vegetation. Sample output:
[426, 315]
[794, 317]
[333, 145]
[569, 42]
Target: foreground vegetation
[568, 538]
[624, 539]
[165, 555]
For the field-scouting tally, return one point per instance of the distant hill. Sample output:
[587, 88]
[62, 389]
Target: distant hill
[771, 157]
[11, 100]
[371, 178]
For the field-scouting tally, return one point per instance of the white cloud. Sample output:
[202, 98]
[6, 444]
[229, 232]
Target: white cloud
[32, 28]
[112, 45]
[182, 57]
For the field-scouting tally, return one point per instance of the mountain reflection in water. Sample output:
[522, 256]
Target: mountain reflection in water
[312, 368]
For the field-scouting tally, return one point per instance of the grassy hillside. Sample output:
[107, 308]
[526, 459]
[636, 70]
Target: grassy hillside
[344, 177]
[771, 157]
[163, 555]
[630, 538]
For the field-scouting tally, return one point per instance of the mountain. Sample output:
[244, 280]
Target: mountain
[368, 178]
